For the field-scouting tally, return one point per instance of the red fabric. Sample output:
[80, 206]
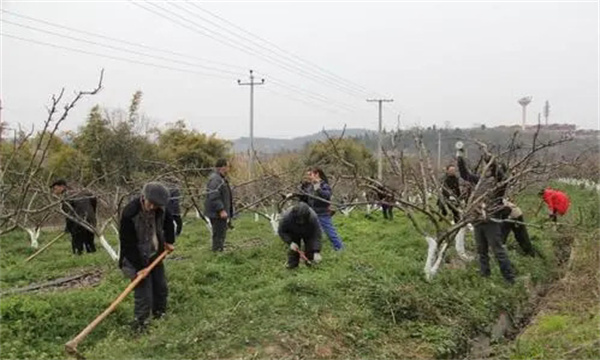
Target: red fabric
[557, 201]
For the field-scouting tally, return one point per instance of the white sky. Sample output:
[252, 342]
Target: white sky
[459, 62]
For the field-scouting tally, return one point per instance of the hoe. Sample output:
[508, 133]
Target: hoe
[45, 247]
[71, 346]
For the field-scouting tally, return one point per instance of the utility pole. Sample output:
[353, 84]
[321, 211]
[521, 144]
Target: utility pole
[379, 150]
[439, 159]
[398, 125]
[251, 84]
[1, 133]
[547, 111]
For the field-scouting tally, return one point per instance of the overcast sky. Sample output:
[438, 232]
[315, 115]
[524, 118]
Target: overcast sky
[458, 63]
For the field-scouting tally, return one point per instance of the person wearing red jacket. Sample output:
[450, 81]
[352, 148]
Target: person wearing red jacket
[558, 202]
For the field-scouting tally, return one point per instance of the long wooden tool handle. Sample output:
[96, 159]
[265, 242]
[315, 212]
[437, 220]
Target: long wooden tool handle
[303, 256]
[45, 247]
[71, 346]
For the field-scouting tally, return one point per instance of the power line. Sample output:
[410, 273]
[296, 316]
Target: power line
[229, 42]
[118, 48]
[247, 50]
[145, 63]
[130, 43]
[360, 87]
[312, 94]
[290, 60]
[110, 56]
[279, 83]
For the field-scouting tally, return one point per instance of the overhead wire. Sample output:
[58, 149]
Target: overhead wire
[130, 43]
[118, 48]
[291, 60]
[205, 31]
[38, 42]
[279, 83]
[145, 63]
[357, 86]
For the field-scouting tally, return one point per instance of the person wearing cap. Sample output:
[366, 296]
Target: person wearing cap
[219, 203]
[146, 230]
[81, 209]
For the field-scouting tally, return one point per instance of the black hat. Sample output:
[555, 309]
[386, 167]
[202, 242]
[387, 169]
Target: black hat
[221, 163]
[59, 182]
[156, 193]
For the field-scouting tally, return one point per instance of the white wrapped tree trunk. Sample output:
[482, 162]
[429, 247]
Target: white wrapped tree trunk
[347, 211]
[274, 221]
[434, 257]
[459, 243]
[111, 252]
[34, 235]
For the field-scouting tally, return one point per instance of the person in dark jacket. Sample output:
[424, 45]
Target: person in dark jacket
[173, 205]
[81, 208]
[386, 201]
[297, 225]
[451, 194]
[488, 230]
[146, 230]
[219, 204]
[317, 194]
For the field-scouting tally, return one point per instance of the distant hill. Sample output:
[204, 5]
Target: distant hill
[497, 136]
[270, 145]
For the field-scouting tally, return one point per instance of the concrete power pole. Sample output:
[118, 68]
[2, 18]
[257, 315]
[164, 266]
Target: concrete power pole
[251, 84]
[379, 145]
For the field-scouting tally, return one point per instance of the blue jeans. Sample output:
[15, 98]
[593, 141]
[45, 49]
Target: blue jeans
[329, 229]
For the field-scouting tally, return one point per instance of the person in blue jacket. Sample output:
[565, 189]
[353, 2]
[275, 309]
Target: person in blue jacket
[317, 194]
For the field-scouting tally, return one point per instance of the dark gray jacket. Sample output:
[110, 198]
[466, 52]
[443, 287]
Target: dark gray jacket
[492, 184]
[136, 248]
[300, 222]
[174, 200]
[82, 206]
[218, 197]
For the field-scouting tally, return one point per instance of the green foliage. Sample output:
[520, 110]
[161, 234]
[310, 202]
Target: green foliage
[116, 147]
[370, 301]
[189, 148]
[324, 154]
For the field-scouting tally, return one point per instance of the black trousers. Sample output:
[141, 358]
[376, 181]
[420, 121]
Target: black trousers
[151, 295]
[311, 246]
[387, 211]
[521, 235]
[81, 237]
[489, 235]
[219, 231]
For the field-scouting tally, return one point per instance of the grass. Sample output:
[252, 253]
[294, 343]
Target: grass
[370, 301]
